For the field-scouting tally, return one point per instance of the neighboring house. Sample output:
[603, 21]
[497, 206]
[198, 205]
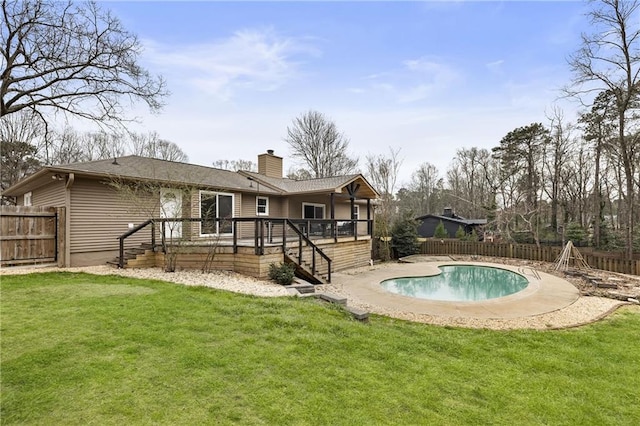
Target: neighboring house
[105, 199]
[428, 223]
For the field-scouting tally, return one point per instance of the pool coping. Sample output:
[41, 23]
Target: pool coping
[545, 293]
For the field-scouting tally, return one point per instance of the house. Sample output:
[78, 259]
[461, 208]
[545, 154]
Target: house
[127, 202]
[428, 223]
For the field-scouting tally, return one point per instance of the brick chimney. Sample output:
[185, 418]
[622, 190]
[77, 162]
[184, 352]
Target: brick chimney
[270, 165]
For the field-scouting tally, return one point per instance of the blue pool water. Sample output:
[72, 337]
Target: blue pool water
[461, 283]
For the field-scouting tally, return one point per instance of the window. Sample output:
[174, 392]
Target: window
[215, 210]
[262, 206]
[312, 211]
[356, 211]
[27, 199]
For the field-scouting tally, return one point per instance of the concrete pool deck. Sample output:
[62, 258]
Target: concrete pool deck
[545, 293]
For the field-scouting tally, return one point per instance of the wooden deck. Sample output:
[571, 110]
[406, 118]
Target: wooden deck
[317, 248]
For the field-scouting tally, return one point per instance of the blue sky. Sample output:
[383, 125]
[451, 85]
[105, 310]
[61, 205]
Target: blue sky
[426, 77]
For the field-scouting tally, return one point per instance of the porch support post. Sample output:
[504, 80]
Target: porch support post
[369, 222]
[334, 227]
[354, 226]
[333, 206]
[255, 237]
[261, 237]
[235, 236]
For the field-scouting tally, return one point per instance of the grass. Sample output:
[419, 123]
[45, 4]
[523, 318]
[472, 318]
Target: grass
[84, 349]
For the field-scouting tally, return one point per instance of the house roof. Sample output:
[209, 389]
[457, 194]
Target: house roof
[172, 173]
[456, 219]
[337, 184]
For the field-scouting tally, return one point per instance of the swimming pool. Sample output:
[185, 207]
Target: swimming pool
[459, 283]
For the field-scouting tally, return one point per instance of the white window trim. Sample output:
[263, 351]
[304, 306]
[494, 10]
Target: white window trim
[356, 211]
[27, 199]
[233, 211]
[266, 213]
[324, 209]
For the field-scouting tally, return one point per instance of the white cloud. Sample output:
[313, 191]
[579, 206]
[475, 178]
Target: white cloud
[258, 60]
[415, 80]
[495, 66]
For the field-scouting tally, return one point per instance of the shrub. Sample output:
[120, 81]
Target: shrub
[282, 273]
[460, 234]
[404, 236]
[576, 233]
[440, 231]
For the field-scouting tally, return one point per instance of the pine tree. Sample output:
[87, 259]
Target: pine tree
[404, 236]
[440, 231]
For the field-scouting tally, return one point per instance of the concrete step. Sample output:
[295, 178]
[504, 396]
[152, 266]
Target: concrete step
[332, 298]
[303, 288]
[359, 314]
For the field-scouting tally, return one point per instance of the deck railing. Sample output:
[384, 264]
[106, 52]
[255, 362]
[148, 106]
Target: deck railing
[266, 232]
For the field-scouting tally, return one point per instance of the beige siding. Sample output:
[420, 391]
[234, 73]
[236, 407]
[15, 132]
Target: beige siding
[276, 207]
[270, 165]
[51, 195]
[248, 205]
[99, 214]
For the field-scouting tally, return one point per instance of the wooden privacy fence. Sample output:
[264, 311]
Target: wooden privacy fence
[613, 262]
[30, 235]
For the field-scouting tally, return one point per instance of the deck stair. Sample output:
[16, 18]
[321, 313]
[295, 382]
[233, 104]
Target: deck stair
[304, 268]
[132, 254]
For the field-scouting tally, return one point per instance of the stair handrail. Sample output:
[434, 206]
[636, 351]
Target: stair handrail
[133, 231]
[310, 243]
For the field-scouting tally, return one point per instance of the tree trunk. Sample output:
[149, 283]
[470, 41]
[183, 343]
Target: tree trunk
[597, 194]
[628, 173]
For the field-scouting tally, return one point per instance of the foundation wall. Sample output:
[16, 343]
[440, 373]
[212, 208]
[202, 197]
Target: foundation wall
[344, 255]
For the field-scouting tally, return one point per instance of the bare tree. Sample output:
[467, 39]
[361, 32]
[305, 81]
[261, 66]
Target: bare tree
[422, 192]
[236, 165]
[67, 147]
[316, 141]
[18, 153]
[609, 60]
[599, 128]
[71, 57]
[298, 174]
[470, 182]
[151, 145]
[382, 172]
[555, 157]
[102, 145]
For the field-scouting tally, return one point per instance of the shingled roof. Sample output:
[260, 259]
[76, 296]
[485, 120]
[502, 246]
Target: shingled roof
[330, 184]
[133, 167]
[456, 219]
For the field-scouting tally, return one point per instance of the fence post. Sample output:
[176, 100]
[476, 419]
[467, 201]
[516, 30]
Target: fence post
[61, 235]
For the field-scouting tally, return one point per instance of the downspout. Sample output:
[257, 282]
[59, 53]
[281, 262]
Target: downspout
[67, 226]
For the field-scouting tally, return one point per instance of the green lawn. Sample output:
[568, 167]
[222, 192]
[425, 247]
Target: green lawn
[84, 349]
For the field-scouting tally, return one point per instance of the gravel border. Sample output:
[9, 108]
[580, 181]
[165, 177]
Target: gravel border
[221, 280]
[585, 310]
